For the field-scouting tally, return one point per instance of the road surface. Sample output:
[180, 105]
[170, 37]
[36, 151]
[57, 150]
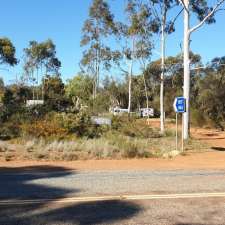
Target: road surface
[50, 185]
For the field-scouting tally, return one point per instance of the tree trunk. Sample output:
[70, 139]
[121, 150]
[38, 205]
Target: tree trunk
[129, 85]
[130, 77]
[37, 84]
[146, 90]
[95, 77]
[162, 116]
[33, 84]
[186, 86]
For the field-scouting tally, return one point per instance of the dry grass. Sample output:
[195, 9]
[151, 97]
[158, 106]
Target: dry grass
[132, 140]
[85, 149]
[110, 146]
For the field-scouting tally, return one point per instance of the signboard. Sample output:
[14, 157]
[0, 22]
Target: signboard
[146, 112]
[179, 105]
[101, 121]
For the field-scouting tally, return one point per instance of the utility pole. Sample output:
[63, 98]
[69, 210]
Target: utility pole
[186, 58]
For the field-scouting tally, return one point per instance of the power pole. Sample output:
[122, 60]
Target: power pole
[186, 58]
[162, 117]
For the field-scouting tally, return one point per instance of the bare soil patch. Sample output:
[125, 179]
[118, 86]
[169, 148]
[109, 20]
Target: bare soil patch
[207, 160]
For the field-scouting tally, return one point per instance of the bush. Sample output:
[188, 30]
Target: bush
[9, 130]
[197, 118]
[44, 128]
[80, 124]
[134, 127]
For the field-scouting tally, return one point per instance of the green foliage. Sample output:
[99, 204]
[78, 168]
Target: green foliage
[54, 93]
[79, 124]
[9, 130]
[41, 54]
[7, 52]
[80, 86]
[98, 56]
[13, 101]
[211, 91]
[132, 127]
[46, 128]
[198, 118]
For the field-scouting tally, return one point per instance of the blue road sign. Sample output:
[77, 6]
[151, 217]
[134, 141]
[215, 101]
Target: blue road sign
[179, 105]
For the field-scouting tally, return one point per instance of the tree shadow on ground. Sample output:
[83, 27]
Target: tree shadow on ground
[17, 183]
[220, 149]
[190, 224]
[104, 212]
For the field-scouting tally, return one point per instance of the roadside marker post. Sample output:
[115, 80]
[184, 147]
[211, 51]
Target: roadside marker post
[179, 106]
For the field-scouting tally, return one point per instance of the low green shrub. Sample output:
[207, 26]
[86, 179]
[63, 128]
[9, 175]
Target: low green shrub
[198, 118]
[9, 130]
[134, 127]
[80, 124]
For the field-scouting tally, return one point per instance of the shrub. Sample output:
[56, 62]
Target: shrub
[43, 128]
[79, 124]
[9, 130]
[134, 127]
[197, 118]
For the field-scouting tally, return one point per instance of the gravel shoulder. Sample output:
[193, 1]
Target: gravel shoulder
[206, 160]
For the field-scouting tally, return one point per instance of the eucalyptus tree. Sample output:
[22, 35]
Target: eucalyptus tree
[211, 101]
[135, 35]
[39, 56]
[166, 22]
[144, 43]
[205, 14]
[97, 28]
[7, 57]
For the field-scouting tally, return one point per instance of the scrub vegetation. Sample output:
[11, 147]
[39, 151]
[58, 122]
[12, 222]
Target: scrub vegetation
[49, 118]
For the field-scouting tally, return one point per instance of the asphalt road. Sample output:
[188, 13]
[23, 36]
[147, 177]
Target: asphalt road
[58, 183]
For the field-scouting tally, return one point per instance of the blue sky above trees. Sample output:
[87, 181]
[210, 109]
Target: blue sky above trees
[62, 21]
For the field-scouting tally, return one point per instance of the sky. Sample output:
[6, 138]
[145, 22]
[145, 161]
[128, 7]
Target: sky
[62, 20]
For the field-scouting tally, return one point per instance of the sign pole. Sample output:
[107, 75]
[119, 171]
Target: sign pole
[176, 132]
[182, 136]
[179, 106]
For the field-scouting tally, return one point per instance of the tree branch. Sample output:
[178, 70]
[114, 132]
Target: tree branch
[220, 10]
[182, 3]
[207, 17]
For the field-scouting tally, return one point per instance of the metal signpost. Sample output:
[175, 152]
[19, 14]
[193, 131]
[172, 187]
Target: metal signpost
[179, 106]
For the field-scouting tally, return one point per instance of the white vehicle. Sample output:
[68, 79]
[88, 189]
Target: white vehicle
[34, 102]
[146, 112]
[118, 111]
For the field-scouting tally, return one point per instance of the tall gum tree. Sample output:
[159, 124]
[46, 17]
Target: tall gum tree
[205, 14]
[166, 23]
[135, 34]
[97, 28]
[38, 56]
